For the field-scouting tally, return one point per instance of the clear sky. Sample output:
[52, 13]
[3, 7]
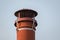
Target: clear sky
[48, 18]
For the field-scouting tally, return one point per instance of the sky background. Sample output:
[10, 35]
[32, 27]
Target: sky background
[48, 18]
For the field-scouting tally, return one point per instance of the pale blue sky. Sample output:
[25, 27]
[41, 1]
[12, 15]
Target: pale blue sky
[48, 18]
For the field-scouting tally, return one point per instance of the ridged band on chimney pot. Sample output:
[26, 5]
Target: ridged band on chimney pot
[35, 23]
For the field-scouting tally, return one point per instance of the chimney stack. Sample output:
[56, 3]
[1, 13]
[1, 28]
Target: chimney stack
[25, 24]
